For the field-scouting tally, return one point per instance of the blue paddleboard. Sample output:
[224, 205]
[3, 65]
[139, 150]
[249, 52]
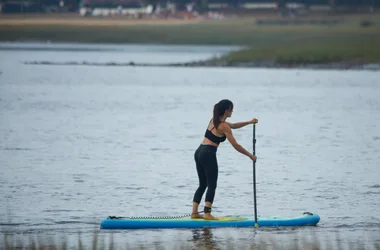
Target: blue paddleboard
[306, 219]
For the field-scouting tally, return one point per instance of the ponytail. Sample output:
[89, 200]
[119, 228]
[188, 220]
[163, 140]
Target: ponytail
[216, 117]
[219, 110]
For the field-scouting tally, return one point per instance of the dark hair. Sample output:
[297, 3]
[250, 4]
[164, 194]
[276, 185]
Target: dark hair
[219, 110]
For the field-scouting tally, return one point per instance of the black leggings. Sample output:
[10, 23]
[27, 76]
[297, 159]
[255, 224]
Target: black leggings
[207, 168]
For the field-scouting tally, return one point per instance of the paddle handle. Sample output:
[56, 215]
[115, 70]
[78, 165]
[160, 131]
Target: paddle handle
[254, 174]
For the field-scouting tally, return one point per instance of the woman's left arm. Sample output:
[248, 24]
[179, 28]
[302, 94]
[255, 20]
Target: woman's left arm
[242, 124]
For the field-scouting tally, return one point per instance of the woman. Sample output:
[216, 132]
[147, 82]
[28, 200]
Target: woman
[205, 156]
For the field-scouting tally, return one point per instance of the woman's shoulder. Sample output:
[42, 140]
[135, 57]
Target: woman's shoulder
[223, 126]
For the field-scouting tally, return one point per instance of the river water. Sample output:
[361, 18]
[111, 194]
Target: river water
[79, 143]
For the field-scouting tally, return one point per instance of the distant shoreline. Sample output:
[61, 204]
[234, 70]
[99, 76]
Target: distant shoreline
[348, 42]
[344, 65]
[76, 20]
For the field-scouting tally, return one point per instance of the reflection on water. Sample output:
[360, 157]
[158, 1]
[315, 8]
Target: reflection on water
[204, 238]
[201, 237]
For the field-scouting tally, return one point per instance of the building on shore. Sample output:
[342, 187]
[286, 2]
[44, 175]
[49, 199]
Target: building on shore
[133, 8]
[38, 6]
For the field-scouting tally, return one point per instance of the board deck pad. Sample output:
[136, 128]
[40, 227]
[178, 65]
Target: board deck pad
[305, 219]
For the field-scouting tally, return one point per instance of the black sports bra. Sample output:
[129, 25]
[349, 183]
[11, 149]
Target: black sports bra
[215, 139]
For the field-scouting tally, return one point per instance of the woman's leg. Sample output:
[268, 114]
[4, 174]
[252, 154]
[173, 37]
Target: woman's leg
[201, 188]
[211, 171]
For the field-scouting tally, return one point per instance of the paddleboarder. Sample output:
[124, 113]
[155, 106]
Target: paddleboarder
[218, 131]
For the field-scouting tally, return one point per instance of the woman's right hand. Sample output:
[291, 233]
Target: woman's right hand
[253, 157]
[254, 121]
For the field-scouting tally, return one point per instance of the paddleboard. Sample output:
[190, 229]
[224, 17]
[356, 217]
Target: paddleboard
[306, 219]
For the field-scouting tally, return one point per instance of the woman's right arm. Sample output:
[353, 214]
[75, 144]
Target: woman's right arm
[228, 132]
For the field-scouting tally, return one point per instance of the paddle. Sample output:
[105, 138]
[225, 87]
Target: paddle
[254, 174]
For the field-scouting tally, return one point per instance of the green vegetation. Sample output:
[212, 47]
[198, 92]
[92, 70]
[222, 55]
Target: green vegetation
[356, 49]
[352, 38]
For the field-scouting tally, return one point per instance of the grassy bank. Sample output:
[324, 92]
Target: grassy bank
[353, 38]
[354, 49]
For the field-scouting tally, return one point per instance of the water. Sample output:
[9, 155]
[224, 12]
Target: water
[79, 143]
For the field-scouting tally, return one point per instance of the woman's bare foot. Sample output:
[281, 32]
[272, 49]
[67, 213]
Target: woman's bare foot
[208, 216]
[196, 216]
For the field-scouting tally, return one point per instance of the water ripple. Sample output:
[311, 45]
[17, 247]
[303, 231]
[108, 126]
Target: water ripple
[160, 149]
[16, 149]
[359, 225]
[131, 188]
[76, 222]
[61, 210]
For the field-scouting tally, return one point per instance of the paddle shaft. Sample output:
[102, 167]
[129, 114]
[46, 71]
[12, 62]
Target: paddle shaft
[254, 174]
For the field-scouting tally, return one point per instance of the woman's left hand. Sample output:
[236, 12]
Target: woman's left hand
[254, 121]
